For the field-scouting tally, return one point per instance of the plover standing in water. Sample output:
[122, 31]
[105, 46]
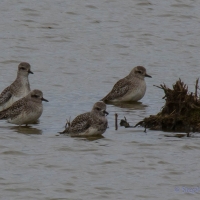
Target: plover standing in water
[18, 89]
[90, 123]
[130, 88]
[26, 110]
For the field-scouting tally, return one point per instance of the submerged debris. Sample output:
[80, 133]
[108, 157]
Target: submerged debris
[181, 111]
[124, 123]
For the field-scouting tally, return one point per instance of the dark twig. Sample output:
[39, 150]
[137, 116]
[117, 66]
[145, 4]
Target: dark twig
[196, 88]
[68, 123]
[145, 128]
[116, 124]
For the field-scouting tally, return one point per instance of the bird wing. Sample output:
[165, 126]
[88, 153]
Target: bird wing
[5, 96]
[79, 124]
[118, 90]
[14, 110]
[103, 126]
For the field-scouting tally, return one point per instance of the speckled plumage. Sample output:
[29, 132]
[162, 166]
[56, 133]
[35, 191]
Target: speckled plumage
[90, 123]
[18, 89]
[26, 110]
[130, 88]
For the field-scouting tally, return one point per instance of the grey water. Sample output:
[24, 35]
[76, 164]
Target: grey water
[78, 49]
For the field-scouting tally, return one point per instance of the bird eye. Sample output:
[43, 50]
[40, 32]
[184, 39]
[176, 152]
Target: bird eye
[35, 96]
[23, 68]
[98, 109]
[139, 72]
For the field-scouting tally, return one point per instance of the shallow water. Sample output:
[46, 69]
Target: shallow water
[78, 50]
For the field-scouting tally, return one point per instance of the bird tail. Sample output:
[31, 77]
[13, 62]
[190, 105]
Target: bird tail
[104, 99]
[65, 131]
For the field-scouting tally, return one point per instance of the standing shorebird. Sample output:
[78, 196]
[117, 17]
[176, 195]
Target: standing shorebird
[26, 110]
[18, 89]
[130, 88]
[90, 123]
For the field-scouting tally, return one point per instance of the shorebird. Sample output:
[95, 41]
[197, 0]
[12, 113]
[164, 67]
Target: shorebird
[26, 110]
[90, 123]
[130, 88]
[18, 89]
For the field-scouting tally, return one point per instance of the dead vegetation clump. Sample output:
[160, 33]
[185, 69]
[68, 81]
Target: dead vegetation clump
[181, 111]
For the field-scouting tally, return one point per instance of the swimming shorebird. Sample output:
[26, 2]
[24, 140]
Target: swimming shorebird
[26, 110]
[130, 88]
[18, 89]
[90, 123]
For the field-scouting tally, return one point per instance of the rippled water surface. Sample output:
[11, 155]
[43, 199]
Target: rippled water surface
[78, 50]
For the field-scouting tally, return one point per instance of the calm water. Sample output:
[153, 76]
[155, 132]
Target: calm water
[78, 50]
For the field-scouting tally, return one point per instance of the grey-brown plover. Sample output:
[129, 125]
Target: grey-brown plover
[18, 89]
[26, 110]
[90, 123]
[130, 88]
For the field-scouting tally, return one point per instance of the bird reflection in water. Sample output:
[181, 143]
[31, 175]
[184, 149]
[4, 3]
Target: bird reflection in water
[87, 138]
[128, 104]
[27, 130]
[92, 138]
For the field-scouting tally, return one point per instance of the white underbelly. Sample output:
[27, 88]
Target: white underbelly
[134, 95]
[91, 131]
[25, 118]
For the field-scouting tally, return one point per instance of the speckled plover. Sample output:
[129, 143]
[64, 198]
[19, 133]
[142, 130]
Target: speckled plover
[18, 89]
[26, 110]
[130, 88]
[90, 123]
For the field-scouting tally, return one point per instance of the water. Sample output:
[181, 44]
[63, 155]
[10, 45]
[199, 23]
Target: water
[78, 50]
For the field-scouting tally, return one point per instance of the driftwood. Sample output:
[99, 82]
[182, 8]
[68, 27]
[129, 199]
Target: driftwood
[181, 111]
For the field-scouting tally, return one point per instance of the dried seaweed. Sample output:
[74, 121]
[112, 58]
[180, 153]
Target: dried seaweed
[181, 111]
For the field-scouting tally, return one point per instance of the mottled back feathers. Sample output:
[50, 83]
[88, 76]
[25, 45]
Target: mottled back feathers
[90, 123]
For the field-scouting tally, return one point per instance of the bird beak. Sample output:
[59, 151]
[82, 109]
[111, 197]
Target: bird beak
[43, 99]
[146, 75]
[105, 112]
[30, 72]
